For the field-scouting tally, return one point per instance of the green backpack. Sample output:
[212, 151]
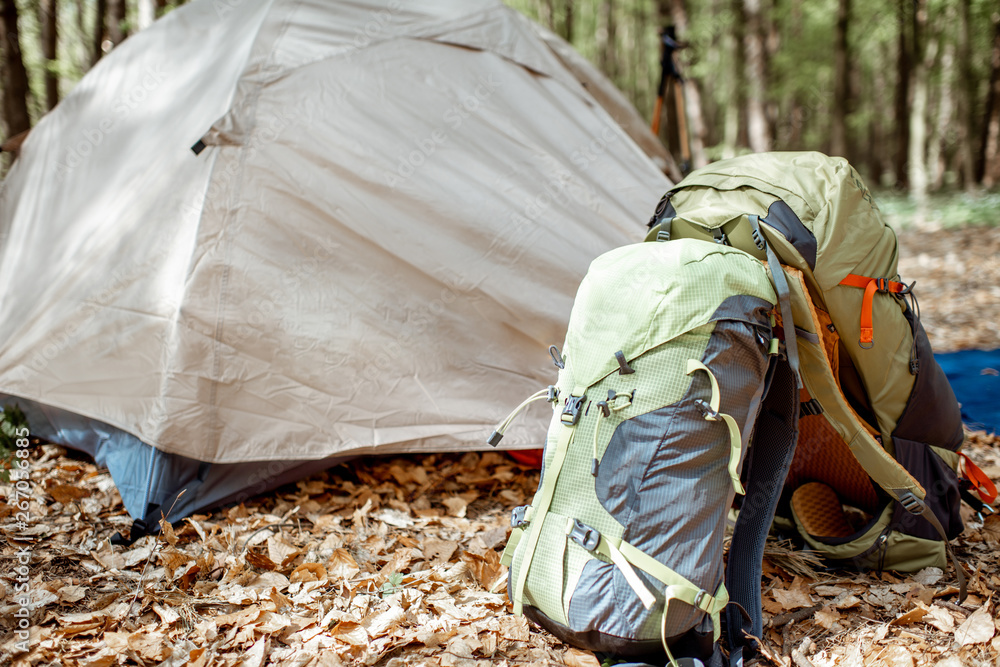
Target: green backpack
[672, 374]
[667, 358]
[880, 427]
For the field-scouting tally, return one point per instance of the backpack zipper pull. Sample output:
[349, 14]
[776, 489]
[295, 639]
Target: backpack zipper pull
[548, 393]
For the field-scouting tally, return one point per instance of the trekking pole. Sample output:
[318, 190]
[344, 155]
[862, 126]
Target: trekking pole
[670, 74]
[682, 126]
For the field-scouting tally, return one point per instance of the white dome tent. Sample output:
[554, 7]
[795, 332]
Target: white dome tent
[380, 229]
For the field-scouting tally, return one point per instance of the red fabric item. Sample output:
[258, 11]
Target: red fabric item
[984, 487]
[528, 457]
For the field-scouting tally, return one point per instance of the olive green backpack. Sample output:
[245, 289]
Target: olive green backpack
[879, 427]
[853, 435]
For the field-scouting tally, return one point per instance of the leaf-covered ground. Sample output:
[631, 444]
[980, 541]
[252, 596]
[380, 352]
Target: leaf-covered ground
[392, 561]
[396, 561]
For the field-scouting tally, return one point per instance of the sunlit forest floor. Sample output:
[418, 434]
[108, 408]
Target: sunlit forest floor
[393, 561]
[944, 210]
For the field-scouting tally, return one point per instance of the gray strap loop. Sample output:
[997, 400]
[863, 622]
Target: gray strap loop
[784, 300]
[914, 505]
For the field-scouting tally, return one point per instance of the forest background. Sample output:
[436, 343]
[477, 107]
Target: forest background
[907, 90]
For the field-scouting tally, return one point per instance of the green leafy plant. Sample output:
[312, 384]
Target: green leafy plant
[393, 584]
[11, 420]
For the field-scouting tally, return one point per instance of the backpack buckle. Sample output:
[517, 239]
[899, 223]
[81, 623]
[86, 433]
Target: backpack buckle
[720, 236]
[571, 413]
[810, 407]
[584, 535]
[706, 409]
[911, 503]
[519, 516]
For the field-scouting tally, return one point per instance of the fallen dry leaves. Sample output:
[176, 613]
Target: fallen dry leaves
[397, 561]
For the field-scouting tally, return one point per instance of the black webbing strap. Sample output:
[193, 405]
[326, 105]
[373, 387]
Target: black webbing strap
[915, 506]
[784, 299]
[775, 436]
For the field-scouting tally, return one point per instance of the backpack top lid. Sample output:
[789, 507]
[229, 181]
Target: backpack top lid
[640, 296]
[839, 226]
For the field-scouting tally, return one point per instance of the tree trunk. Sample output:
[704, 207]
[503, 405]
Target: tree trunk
[116, 22]
[161, 7]
[47, 20]
[735, 82]
[758, 132]
[789, 134]
[606, 60]
[546, 14]
[568, 21]
[100, 28]
[989, 149]
[967, 86]
[15, 77]
[146, 13]
[902, 120]
[772, 45]
[841, 83]
[943, 116]
[879, 158]
[917, 168]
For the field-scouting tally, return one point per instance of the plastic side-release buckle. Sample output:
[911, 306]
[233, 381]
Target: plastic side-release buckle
[707, 411]
[571, 413]
[584, 535]
[720, 236]
[810, 407]
[911, 503]
[519, 516]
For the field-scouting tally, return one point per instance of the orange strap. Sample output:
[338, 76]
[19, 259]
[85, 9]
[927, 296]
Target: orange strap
[870, 286]
[983, 485]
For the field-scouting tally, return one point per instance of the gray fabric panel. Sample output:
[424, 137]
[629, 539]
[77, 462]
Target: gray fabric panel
[783, 218]
[665, 477]
[744, 308]
[128, 460]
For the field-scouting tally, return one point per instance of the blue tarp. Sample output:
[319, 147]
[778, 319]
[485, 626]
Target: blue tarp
[975, 378]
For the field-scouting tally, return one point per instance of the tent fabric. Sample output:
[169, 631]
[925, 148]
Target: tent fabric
[149, 480]
[393, 208]
[974, 375]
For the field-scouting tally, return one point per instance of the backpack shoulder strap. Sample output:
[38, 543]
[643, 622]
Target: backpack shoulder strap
[774, 442]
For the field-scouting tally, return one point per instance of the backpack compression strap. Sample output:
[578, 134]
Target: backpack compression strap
[784, 299]
[870, 286]
[712, 413]
[543, 499]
